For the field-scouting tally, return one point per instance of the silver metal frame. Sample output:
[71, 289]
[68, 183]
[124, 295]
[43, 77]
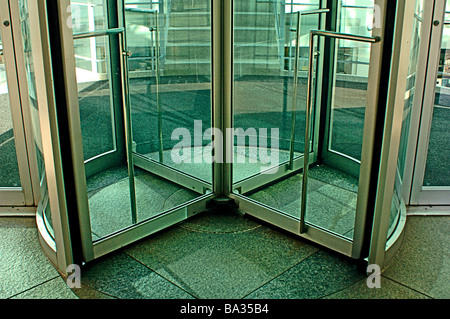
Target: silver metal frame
[333, 35]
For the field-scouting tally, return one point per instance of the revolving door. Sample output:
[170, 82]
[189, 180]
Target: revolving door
[173, 104]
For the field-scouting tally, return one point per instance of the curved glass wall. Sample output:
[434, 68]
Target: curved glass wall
[44, 207]
[398, 200]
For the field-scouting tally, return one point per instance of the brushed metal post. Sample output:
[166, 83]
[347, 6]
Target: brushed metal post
[295, 89]
[127, 125]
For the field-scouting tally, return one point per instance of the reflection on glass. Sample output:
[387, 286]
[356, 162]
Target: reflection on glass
[437, 172]
[94, 98]
[9, 171]
[349, 101]
[264, 69]
[170, 83]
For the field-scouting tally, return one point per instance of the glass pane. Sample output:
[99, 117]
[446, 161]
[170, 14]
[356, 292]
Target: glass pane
[170, 83]
[159, 80]
[437, 172]
[9, 171]
[93, 78]
[266, 115]
[268, 110]
[170, 95]
[349, 102]
[94, 98]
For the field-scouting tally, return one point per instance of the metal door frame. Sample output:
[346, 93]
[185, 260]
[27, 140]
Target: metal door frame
[157, 167]
[81, 233]
[311, 232]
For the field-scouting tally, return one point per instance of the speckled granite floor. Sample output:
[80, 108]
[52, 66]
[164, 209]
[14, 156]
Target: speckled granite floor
[219, 255]
[332, 197]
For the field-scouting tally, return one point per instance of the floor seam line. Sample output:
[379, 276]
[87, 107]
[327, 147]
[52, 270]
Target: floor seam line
[28, 289]
[342, 289]
[160, 275]
[95, 289]
[404, 285]
[280, 274]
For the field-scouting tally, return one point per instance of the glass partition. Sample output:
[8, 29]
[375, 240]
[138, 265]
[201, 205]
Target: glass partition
[352, 72]
[271, 44]
[315, 187]
[145, 108]
[169, 74]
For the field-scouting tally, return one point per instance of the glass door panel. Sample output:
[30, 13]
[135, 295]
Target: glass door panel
[350, 82]
[170, 88]
[318, 194]
[9, 170]
[332, 190]
[133, 98]
[107, 178]
[270, 70]
[93, 79]
[332, 195]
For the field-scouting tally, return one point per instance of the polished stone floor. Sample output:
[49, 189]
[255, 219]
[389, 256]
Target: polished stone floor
[227, 255]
